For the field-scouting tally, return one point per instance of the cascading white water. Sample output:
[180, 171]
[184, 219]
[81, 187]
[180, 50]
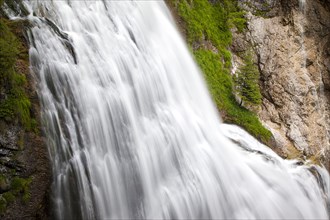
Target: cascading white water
[133, 133]
[302, 4]
[301, 24]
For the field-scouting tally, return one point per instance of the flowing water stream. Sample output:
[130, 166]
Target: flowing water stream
[302, 5]
[133, 133]
[301, 25]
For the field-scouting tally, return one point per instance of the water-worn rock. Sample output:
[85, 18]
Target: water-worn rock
[293, 50]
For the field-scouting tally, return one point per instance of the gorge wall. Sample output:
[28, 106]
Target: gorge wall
[291, 41]
[291, 45]
[25, 172]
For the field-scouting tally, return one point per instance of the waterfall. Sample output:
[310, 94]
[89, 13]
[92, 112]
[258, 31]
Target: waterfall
[301, 23]
[302, 5]
[132, 131]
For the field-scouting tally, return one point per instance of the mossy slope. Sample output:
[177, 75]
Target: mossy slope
[24, 177]
[207, 26]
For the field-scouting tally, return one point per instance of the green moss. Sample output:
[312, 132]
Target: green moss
[212, 22]
[226, 55]
[21, 186]
[9, 197]
[205, 21]
[26, 196]
[35, 126]
[20, 141]
[8, 52]
[3, 204]
[237, 19]
[2, 177]
[220, 85]
[16, 103]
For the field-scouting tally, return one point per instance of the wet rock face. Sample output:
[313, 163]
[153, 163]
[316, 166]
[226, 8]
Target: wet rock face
[23, 161]
[8, 140]
[293, 55]
[25, 172]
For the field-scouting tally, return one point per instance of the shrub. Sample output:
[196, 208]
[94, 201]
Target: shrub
[247, 80]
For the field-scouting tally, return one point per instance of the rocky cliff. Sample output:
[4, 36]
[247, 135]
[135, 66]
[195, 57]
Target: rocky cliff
[291, 41]
[291, 44]
[25, 172]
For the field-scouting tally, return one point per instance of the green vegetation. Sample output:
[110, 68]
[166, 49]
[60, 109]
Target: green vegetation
[15, 104]
[220, 85]
[3, 204]
[247, 82]
[211, 22]
[205, 22]
[9, 197]
[19, 187]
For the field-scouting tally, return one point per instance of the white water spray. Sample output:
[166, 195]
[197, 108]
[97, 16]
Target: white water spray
[302, 5]
[301, 22]
[133, 133]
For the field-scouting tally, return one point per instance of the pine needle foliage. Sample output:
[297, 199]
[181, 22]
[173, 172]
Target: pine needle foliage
[246, 81]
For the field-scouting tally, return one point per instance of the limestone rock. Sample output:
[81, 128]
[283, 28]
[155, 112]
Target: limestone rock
[293, 50]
